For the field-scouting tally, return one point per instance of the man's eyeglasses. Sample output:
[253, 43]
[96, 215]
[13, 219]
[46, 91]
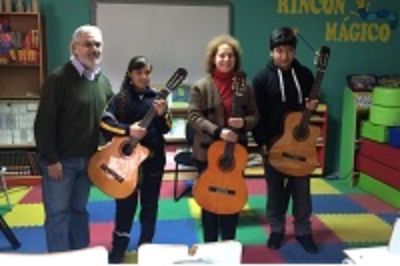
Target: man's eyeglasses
[88, 44]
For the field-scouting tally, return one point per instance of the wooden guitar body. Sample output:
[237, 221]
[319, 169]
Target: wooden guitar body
[293, 155]
[114, 168]
[220, 189]
[114, 172]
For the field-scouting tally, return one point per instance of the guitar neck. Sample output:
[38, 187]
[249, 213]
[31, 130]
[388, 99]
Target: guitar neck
[148, 118]
[317, 84]
[313, 95]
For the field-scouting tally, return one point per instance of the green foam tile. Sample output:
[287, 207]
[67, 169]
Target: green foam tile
[250, 231]
[173, 210]
[256, 205]
[97, 195]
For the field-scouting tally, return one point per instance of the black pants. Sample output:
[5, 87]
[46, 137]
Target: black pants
[148, 192]
[215, 225]
[280, 189]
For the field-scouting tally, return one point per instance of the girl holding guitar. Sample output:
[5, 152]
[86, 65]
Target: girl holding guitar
[122, 117]
[282, 87]
[210, 112]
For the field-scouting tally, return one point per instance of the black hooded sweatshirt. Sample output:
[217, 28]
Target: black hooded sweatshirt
[277, 96]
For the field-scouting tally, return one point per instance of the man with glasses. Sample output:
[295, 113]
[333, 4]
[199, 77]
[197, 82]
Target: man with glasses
[67, 134]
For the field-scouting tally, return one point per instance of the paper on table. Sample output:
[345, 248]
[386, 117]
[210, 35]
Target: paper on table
[394, 244]
[379, 255]
[224, 252]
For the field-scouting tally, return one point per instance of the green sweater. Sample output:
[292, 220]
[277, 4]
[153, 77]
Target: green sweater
[67, 121]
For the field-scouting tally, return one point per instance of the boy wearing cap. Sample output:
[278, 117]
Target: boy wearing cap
[282, 87]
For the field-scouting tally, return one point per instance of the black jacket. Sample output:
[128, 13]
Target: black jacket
[273, 101]
[128, 107]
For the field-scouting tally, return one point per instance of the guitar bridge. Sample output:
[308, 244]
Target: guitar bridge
[294, 157]
[111, 172]
[222, 190]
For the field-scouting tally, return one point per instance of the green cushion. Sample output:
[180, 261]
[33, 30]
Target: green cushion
[374, 132]
[386, 96]
[386, 116]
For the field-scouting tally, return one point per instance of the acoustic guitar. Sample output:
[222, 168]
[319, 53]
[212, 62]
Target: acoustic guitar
[114, 168]
[221, 188]
[294, 153]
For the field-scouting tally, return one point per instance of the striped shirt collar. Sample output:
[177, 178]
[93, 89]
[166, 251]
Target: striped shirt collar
[87, 73]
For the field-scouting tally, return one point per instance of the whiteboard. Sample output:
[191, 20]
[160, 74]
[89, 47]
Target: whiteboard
[170, 35]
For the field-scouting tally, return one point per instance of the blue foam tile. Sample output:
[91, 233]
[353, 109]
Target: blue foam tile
[32, 239]
[168, 232]
[335, 204]
[328, 253]
[101, 211]
[390, 218]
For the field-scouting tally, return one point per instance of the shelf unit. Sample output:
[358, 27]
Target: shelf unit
[22, 72]
[22, 69]
[355, 109]
[21, 76]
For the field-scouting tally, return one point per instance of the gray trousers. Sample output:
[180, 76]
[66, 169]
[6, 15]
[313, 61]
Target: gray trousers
[280, 190]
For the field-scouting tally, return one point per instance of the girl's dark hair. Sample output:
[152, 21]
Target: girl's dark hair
[136, 63]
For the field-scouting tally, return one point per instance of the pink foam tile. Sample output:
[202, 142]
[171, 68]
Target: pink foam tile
[167, 188]
[101, 234]
[320, 232]
[261, 254]
[373, 204]
[33, 196]
[256, 186]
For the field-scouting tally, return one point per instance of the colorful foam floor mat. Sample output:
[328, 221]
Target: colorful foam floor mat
[343, 217]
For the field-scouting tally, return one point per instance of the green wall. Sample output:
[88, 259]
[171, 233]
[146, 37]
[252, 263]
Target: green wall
[61, 18]
[253, 20]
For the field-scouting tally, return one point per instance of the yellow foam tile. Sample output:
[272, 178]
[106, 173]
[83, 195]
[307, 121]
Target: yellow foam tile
[254, 171]
[246, 207]
[15, 194]
[26, 215]
[194, 208]
[131, 257]
[356, 228]
[320, 186]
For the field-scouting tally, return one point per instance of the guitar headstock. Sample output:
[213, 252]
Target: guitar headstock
[322, 57]
[239, 82]
[174, 81]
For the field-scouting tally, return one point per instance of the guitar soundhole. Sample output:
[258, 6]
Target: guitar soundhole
[300, 133]
[226, 163]
[127, 148]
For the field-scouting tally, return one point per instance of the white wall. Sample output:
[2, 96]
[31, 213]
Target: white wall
[170, 35]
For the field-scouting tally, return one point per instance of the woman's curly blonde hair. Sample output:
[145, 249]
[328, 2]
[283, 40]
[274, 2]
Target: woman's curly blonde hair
[212, 48]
